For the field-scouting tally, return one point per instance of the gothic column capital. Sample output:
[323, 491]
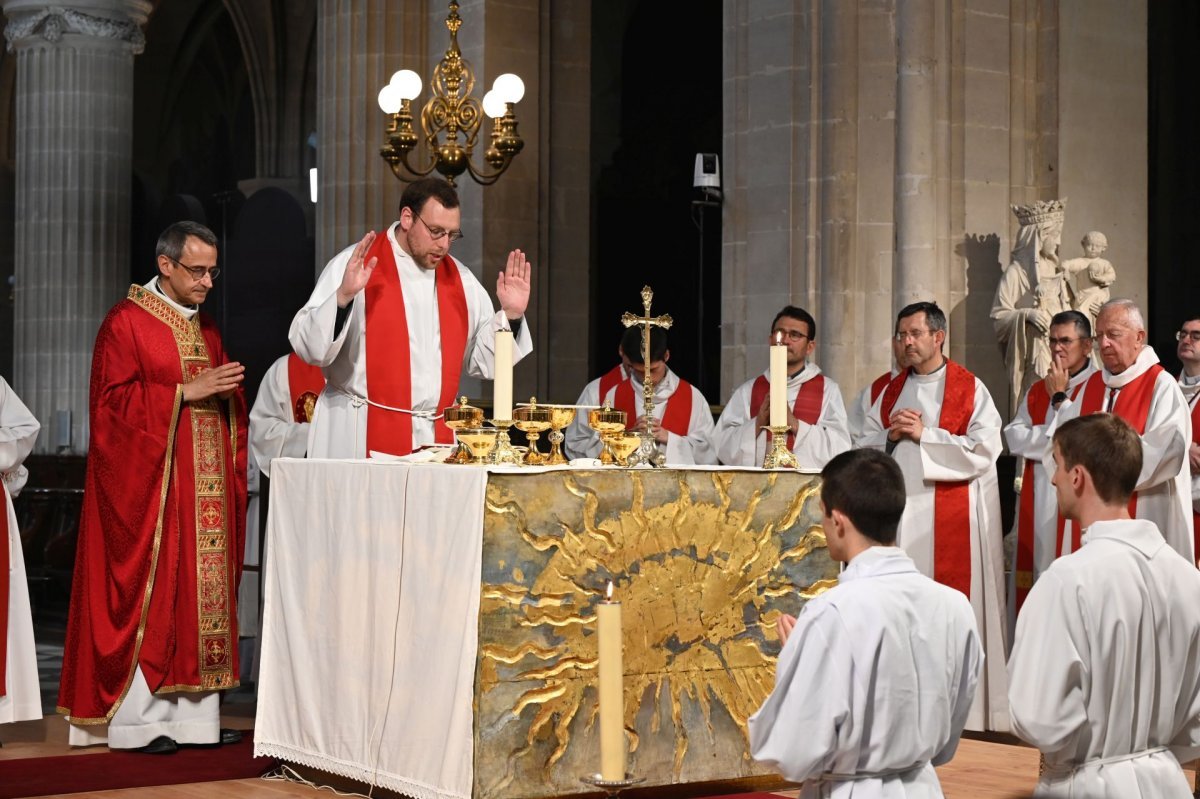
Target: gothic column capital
[37, 22]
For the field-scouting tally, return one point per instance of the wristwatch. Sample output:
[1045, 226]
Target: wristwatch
[1058, 398]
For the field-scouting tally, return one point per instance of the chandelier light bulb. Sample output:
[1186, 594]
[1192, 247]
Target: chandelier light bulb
[407, 83]
[389, 99]
[493, 104]
[510, 87]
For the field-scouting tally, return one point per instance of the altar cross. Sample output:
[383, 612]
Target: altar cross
[647, 321]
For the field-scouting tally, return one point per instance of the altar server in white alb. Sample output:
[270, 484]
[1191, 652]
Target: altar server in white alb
[20, 693]
[281, 416]
[938, 421]
[1041, 535]
[393, 323]
[578, 437]
[1135, 387]
[816, 414]
[876, 676]
[682, 423]
[1105, 670]
[1189, 381]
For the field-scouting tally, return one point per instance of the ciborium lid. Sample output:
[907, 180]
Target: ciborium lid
[533, 412]
[462, 414]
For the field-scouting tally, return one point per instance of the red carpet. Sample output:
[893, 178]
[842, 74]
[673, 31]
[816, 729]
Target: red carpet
[39, 776]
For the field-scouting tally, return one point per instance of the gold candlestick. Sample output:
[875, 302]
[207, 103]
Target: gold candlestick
[778, 455]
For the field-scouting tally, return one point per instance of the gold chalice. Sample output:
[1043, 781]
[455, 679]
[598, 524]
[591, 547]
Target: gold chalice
[480, 441]
[608, 423]
[560, 417]
[623, 445]
[458, 417]
[533, 420]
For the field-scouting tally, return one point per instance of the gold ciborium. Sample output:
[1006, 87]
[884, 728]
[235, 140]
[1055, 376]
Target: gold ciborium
[560, 417]
[458, 417]
[533, 420]
[608, 423]
[479, 441]
[623, 445]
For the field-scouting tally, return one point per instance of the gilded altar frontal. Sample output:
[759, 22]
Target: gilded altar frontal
[703, 562]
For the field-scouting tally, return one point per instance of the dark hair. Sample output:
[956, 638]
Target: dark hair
[800, 315]
[417, 193]
[935, 318]
[171, 241]
[1108, 448]
[1083, 325]
[868, 487]
[631, 344]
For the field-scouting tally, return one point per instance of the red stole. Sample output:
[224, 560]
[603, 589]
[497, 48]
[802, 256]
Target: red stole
[677, 416]
[879, 385]
[389, 370]
[304, 379]
[951, 499]
[4, 545]
[807, 408]
[610, 379]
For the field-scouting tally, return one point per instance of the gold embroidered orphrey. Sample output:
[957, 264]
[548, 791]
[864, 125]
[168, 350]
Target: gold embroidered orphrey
[214, 587]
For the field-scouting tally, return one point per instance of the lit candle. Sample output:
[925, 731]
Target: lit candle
[612, 705]
[502, 385]
[778, 382]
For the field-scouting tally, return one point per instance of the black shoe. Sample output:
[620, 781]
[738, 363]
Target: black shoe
[162, 745]
[229, 736]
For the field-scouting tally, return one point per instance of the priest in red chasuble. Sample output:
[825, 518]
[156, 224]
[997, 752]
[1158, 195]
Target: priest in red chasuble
[394, 321]
[816, 414]
[152, 631]
[938, 421]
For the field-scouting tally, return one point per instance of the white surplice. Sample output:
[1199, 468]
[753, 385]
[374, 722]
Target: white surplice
[274, 431]
[1164, 488]
[876, 678]
[1029, 441]
[858, 410]
[22, 698]
[740, 443]
[339, 426]
[942, 456]
[1105, 671]
[1191, 394]
[696, 448]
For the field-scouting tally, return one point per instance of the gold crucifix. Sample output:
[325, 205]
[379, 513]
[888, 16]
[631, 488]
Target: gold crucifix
[647, 321]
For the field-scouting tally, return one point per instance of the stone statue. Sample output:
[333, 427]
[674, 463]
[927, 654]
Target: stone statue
[1098, 273]
[1032, 289]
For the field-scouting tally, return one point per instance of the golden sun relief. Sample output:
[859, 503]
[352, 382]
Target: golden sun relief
[703, 563]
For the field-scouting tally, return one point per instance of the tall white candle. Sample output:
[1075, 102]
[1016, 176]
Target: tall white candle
[778, 382]
[502, 385]
[612, 700]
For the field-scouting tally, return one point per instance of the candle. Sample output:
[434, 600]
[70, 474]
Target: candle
[778, 382]
[612, 705]
[502, 386]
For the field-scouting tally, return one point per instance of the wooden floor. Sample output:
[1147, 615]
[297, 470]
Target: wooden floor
[981, 770]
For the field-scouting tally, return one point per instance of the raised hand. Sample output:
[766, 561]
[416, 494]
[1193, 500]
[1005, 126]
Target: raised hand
[357, 273]
[1057, 377]
[219, 381]
[512, 285]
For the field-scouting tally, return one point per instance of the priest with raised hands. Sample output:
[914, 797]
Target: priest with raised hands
[876, 676]
[1040, 530]
[394, 321]
[681, 422]
[1134, 386]
[816, 415]
[1105, 669]
[938, 421]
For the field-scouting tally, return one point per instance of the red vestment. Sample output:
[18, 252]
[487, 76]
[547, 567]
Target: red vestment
[162, 530]
[810, 398]
[677, 416]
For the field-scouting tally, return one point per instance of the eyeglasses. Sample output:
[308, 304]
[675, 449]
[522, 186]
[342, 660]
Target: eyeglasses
[436, 233]
[1065, 342]
[1194, 335]
[788, 335]
[915, 335]
[198, 272]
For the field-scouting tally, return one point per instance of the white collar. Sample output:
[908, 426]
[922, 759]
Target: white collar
[1145, 359]
[186, 311]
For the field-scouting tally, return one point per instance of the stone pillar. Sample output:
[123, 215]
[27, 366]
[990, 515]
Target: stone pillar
[74, 116]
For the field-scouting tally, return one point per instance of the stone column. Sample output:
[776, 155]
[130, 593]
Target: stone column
[74, 117]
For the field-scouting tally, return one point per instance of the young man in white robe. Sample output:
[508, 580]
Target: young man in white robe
[1135, 387]
[1040, 535]
[398, 315]
[877, 675]
[681, 421]
[578, 438]
[1189, 381]
[939, 422]
[816, 415]
[20, 692]
[1105, 671]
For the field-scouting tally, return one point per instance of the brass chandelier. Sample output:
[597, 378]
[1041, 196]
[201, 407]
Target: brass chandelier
[449, 114]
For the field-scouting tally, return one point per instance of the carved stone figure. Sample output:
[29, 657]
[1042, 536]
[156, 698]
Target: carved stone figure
[1098, 273]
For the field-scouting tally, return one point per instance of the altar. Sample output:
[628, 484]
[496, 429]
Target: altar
[430, 629]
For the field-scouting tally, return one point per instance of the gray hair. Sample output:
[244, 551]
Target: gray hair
[171, 240]
[1129, 307]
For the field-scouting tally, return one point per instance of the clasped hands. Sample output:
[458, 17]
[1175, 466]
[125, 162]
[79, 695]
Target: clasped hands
[906, 423]
[656, 429]
[219, 381]
[763, 420]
